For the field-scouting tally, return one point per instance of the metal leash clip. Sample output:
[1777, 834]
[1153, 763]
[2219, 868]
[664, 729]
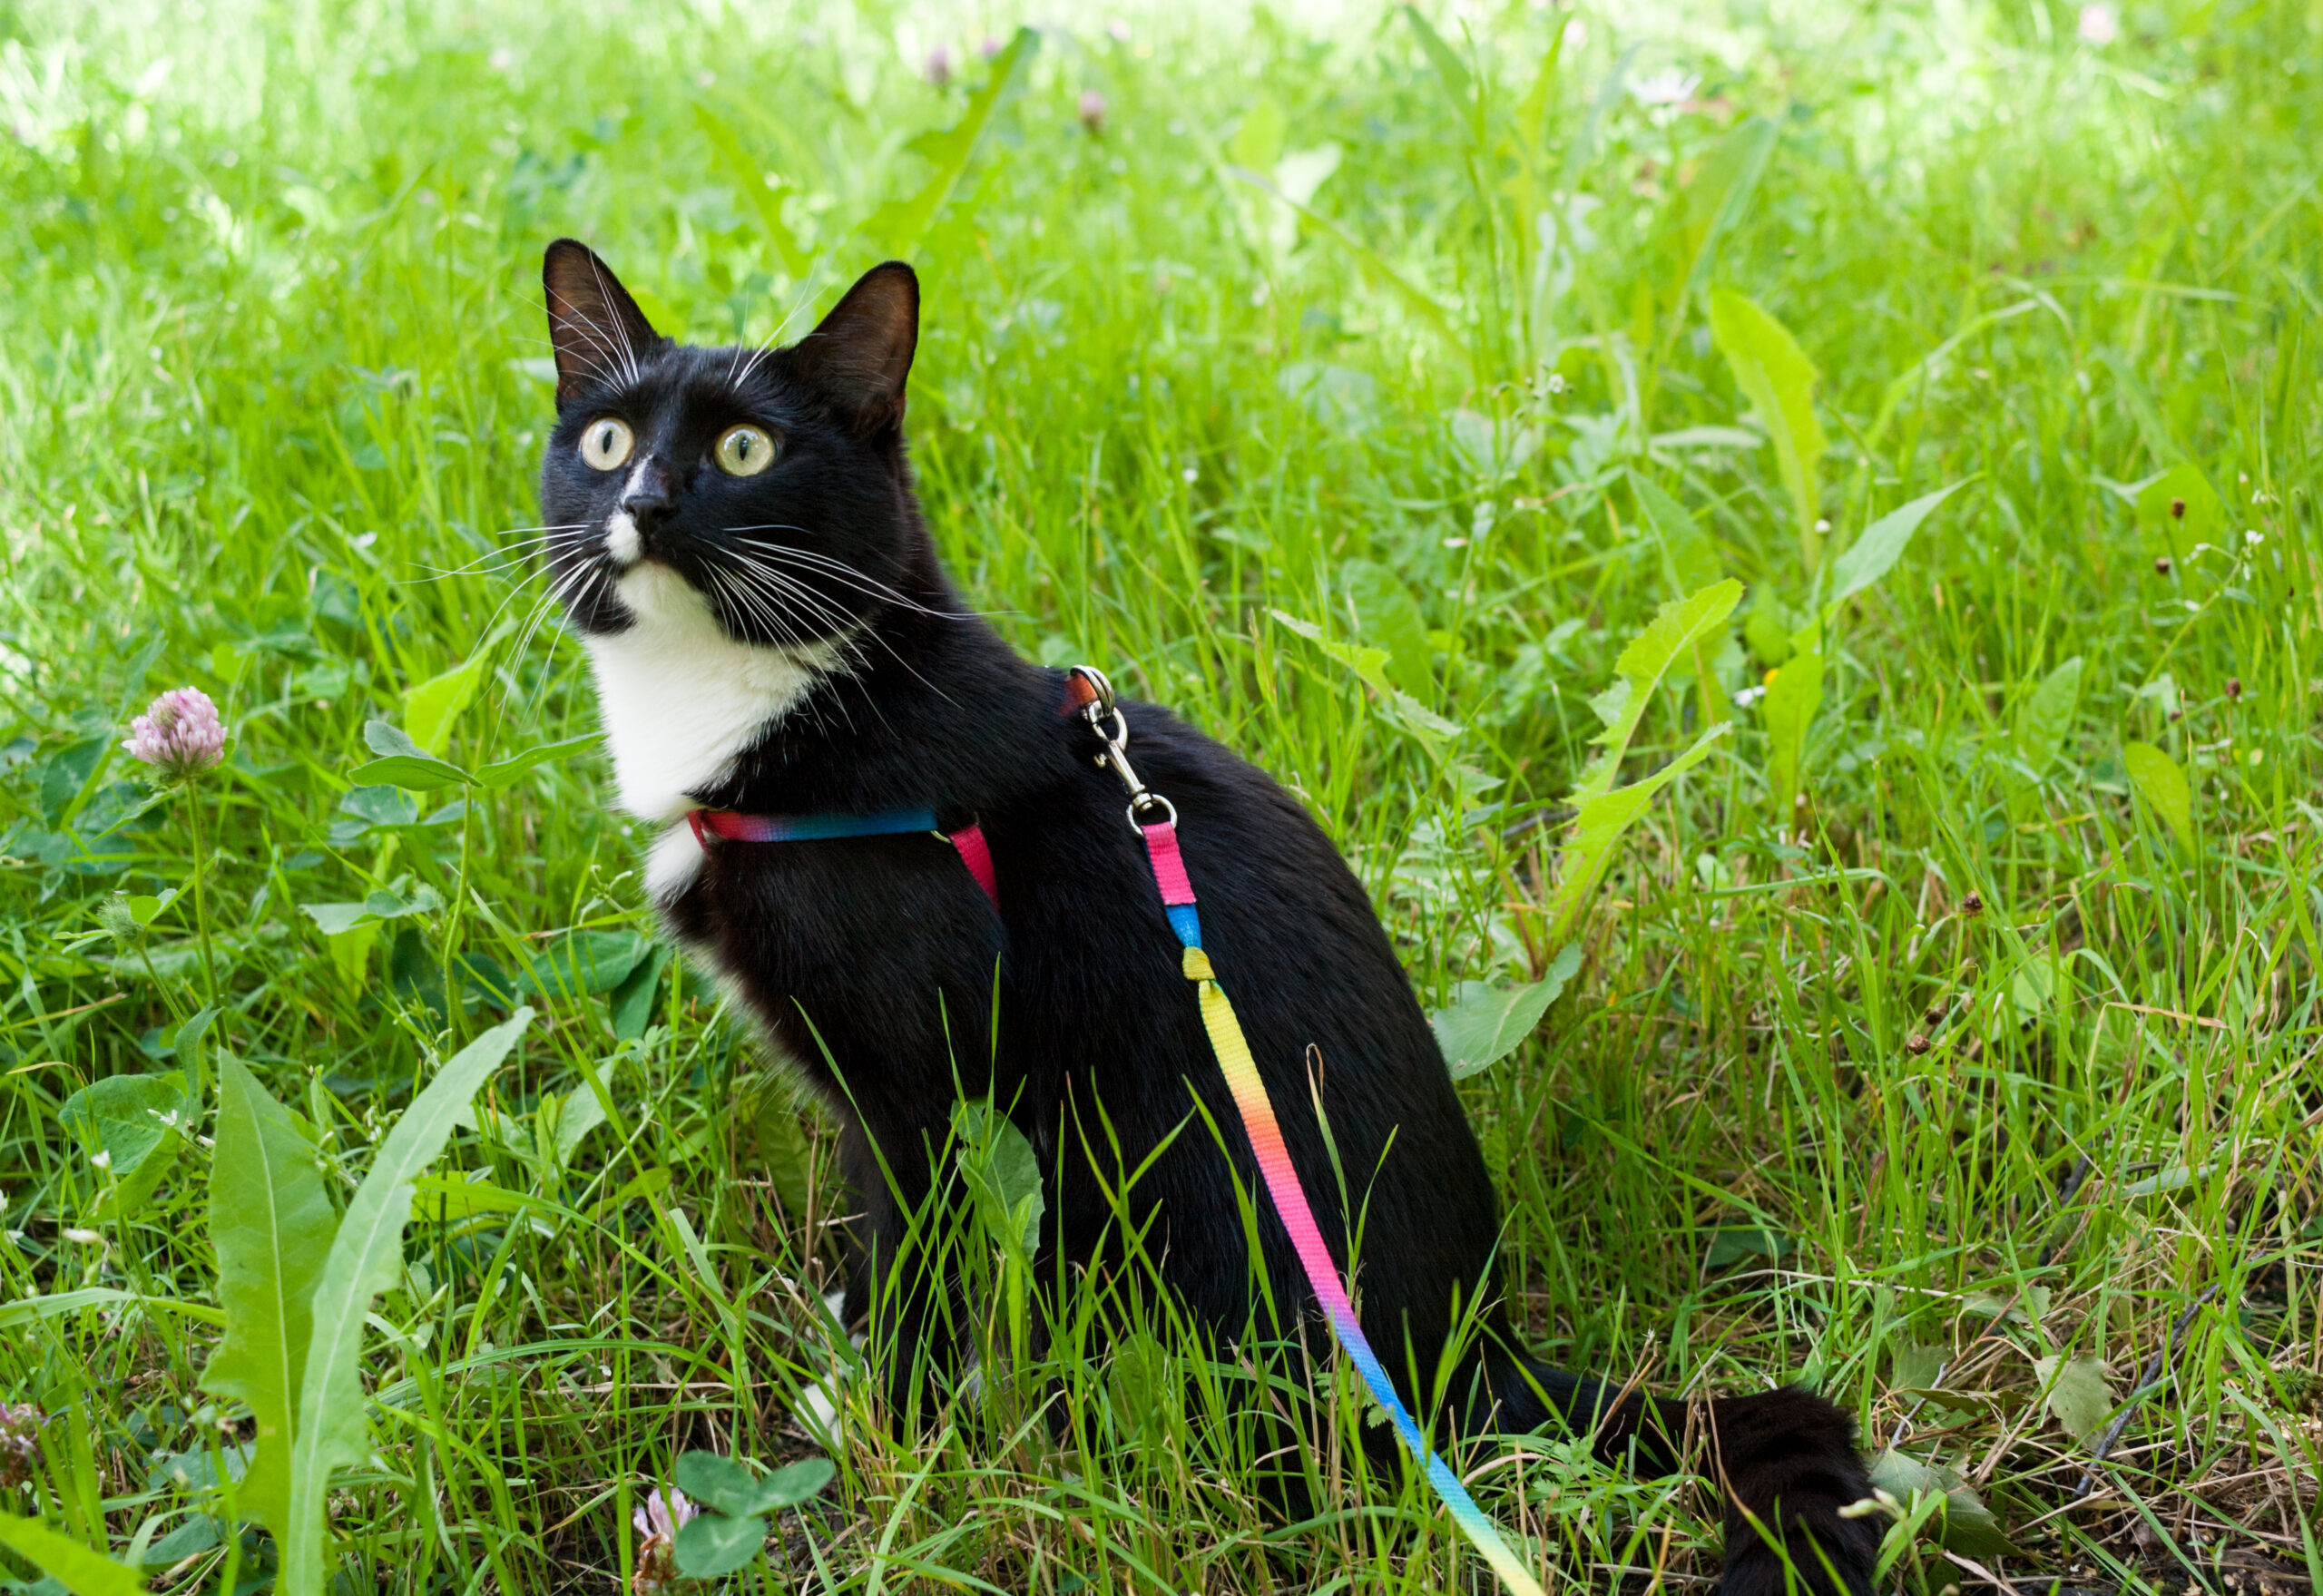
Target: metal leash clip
[1096, 712]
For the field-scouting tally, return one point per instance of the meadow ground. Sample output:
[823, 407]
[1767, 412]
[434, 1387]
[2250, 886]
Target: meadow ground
[1947, 1037]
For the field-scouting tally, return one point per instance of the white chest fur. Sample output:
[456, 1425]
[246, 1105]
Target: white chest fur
[679, 698]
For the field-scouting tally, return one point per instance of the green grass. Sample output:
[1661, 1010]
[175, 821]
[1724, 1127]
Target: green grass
[1971, 1024]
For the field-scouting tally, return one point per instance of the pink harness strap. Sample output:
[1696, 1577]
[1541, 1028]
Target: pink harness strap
[969, 841]
[977, 855]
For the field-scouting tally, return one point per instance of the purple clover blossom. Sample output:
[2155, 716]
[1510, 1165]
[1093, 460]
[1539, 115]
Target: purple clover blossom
[20, 1426]
[988, 46]
[180, 734]
[659, 1518]
[1093, 111]
[938, 70]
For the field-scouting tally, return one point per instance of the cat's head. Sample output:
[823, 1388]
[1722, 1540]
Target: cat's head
[762, 489]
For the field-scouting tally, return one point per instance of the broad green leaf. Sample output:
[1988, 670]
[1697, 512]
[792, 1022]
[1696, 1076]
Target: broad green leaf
[1775, 375]
[501, 772]
[1787, 713]
[67, 1561]
[2163, 786]
[731, 1487]
[1675, 628]
[1003, 1175]
[1967, 1525]
[1721, 192]
[751, 184]
[794, 1483]
[1370, 667]
[1598, 828]
[713, 1544]
[366, 1257]
[2181, 511]
[2078, 1395]
[69, 775]
[2045, 717]
[1256, 143]
[1690, 560]
[1135, 1374]
[131, 1121]
[430, 708]
[1766, 628]
[584, 964]
[1391, 619]
[898, 224]
[402, 762]
[1486, 1023]
[2022, 1305]
[1879, 548]
[2033, 986]
[197, 1534]
[780, 1145]
[1733, 1244]
[631, 1004]
[723, 1484]
[421, 775]
[338, 920]
[579, 1113]
[272, 1224]
[380, 806]
[187, 1042]
[1913, 1364]
[388, 740]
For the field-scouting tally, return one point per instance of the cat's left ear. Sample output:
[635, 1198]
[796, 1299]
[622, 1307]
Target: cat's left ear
[860, 354]
[596, 328]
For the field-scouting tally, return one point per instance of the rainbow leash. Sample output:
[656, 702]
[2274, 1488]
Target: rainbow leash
[1258, 1123]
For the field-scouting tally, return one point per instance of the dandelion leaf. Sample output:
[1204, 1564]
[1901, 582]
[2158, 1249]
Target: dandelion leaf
[272, 1226]
[365, 1259]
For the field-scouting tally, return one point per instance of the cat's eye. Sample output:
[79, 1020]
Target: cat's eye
[745, 450]
[607, 441]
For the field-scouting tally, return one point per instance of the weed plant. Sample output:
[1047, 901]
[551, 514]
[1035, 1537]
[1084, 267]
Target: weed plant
[1945, 1038]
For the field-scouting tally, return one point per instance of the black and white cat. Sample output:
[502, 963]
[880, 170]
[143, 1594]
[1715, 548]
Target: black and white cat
[772, 634]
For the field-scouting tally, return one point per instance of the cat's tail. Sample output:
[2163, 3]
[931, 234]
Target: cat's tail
[1784, 1462]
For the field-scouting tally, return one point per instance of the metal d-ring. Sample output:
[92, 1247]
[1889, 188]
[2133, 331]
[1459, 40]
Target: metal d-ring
[1143, 798]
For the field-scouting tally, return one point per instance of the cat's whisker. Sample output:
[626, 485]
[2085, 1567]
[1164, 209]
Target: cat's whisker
[775, 606]
[793, 595]
[813, 556]
[591, 574]
[546, 595]
[499, 560]
[753, 603]
[750, 606]
[861, 581]
[839, 623]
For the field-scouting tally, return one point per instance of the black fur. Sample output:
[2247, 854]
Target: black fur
[880, 954]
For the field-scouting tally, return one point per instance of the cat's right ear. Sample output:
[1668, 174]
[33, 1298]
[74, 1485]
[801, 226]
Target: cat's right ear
[596, 328]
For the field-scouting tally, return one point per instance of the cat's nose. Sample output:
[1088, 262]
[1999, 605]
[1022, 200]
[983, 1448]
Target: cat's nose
[650, 496]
